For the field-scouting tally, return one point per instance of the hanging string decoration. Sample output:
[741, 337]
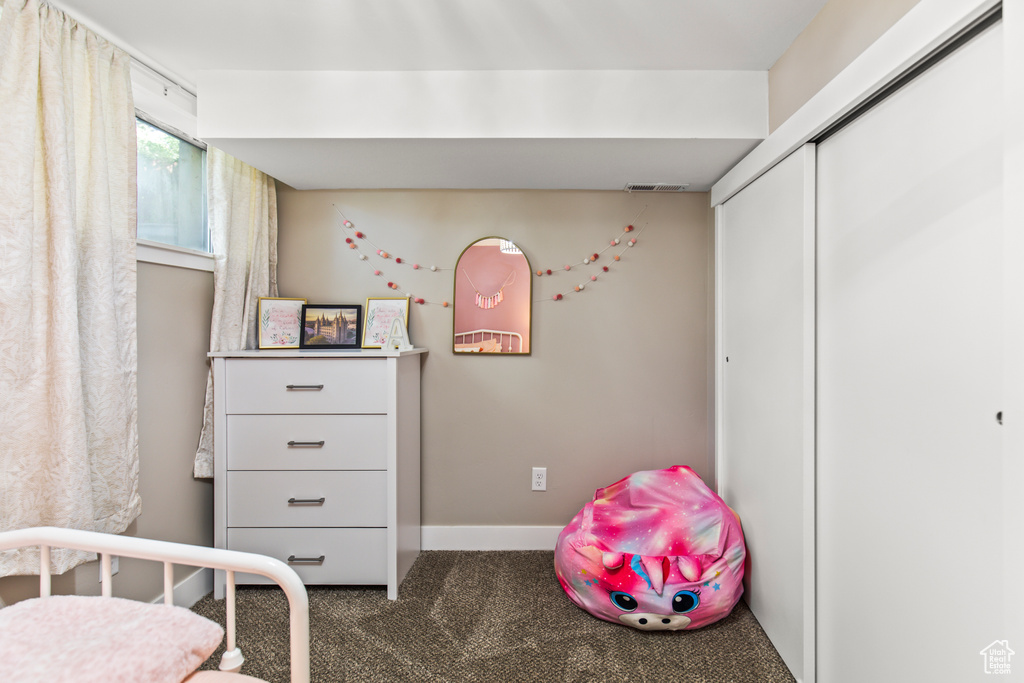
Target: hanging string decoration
[592, 259]
[355, 237]
[490, 301]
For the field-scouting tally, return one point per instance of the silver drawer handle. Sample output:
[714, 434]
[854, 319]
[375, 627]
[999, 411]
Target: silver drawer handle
[318, 560]
[309, 501]
[314, 444]
[304, 387]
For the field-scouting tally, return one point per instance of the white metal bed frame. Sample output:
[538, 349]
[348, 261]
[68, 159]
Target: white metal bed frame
[231, 561]
[485, 335]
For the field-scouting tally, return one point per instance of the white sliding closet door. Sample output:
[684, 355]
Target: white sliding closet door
[765, 464]
[909, 369]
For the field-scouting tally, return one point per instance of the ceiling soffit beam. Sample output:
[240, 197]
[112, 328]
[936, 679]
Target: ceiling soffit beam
[542, 164]
[482, 104]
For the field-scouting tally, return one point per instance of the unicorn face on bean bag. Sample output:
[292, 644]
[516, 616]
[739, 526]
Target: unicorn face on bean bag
[657, 550]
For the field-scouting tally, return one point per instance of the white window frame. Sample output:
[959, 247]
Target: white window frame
[148, 251]
[151, 251]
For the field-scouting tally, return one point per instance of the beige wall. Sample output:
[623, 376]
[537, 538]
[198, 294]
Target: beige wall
[841, 31]
[174, 308]
[618, 378]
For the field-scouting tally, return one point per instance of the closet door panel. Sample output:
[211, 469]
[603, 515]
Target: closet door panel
[765, 365]
[909, 365]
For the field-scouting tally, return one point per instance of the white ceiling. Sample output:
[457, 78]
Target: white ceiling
[185, 37]
[188, 35]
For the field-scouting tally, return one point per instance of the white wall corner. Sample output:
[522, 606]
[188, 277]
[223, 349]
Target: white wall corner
[926, 27]
[191, 589]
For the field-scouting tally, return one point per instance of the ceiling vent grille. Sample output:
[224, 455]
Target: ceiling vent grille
[656, 187]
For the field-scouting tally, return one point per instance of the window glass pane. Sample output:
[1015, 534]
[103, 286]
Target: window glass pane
[171, 189]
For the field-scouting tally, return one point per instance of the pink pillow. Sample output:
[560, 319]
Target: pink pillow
[92, 639]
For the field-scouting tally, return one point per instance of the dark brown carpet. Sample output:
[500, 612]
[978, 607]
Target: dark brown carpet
[487, 616]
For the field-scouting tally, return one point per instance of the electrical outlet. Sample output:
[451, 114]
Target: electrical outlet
[540, 479]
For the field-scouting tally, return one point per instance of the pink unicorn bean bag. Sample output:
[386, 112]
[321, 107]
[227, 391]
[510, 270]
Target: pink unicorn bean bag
[657, 550]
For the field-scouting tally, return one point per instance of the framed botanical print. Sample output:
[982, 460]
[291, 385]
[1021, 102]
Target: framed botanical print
[278, 322]
[380, 313]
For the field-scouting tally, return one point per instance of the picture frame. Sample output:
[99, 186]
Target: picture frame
[330, 326]
[278, 322]
[380, 313]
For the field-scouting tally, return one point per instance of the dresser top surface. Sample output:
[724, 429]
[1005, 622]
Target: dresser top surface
[304, 353]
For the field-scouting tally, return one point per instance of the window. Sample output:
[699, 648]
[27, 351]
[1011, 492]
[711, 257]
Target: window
[171, 189]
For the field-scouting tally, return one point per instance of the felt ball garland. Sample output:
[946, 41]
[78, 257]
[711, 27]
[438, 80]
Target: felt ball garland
[593, 258]
[381, 253]
[490, 302]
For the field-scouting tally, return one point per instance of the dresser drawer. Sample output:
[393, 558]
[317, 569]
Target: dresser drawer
[294, 385]
[349, 499]
[351, 556]
[318, 442]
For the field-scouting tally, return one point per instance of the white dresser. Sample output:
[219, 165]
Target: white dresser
[317, 462]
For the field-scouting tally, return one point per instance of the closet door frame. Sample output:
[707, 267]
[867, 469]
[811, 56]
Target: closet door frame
[1013, 317]
[925, 28]
[771, 610]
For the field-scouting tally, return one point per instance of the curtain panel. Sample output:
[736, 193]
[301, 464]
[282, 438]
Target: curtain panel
[68, 432]
[243, 231]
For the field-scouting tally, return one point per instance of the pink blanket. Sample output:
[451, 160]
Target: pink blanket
[91, 639]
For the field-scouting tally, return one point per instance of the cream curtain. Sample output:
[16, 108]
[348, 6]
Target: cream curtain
[68, 436]
[243, 230]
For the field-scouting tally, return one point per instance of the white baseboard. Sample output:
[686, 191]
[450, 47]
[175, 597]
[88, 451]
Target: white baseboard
[189, 590]
[489, 537]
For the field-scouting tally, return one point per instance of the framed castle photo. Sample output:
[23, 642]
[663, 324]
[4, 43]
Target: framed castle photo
[330, 326]
[278, 322]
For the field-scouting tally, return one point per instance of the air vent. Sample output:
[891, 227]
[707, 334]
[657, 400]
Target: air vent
[656, 187]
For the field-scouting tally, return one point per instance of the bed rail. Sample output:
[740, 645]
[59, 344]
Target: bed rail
[504, 337]
[170, 554]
